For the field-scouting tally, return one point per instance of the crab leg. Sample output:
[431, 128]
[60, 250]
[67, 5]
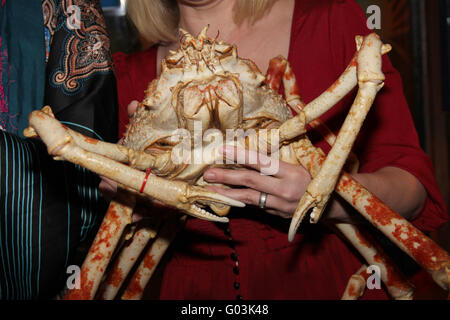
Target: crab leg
[280, 66]
[339, 89]
[116, 219]
[280, 70]
[356, 285]
[400, 231]
[178, 194]
[142, 276]
[137, 159]
[397, 286]
[370, 79]
[125, 261]
[312, 159]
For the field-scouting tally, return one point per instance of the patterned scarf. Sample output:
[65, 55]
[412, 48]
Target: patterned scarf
[53, 52]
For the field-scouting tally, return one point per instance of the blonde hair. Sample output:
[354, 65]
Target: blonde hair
[157, 20]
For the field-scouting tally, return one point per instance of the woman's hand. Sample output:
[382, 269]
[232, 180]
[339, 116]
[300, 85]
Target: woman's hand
[284, 188]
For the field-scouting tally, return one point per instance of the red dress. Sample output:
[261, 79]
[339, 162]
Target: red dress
[317, 264]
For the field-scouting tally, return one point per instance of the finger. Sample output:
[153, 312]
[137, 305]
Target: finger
[283, 215]
[267, 165]
[243, 177]
[132, 107]
[251, 197]
[251, 159]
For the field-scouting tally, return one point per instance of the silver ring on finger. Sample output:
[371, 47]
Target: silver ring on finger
[262, 200]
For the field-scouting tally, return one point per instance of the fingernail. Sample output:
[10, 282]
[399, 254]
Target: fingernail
[209, 175]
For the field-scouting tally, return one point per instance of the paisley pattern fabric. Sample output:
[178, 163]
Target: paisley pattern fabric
[86, 45]
[79, 65]
[50, 210]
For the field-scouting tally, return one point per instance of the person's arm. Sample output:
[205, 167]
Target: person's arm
[399, 189]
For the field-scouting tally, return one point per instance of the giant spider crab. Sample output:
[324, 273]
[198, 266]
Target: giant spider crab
[205, 83]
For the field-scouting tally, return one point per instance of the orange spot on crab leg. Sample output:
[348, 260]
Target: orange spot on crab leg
[90, 140]
[352, 290]
[134, 288]
[84, 293]
[149, 263]
[115, 278]
[423, 250]
[275, 72]
[334, 86]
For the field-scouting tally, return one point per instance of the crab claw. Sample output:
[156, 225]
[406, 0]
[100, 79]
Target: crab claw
[307, 202]
[204, 196]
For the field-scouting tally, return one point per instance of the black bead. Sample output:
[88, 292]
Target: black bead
[227, 232]
[239, 297]
[234, 256]
[237, 285]
[236, 270]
